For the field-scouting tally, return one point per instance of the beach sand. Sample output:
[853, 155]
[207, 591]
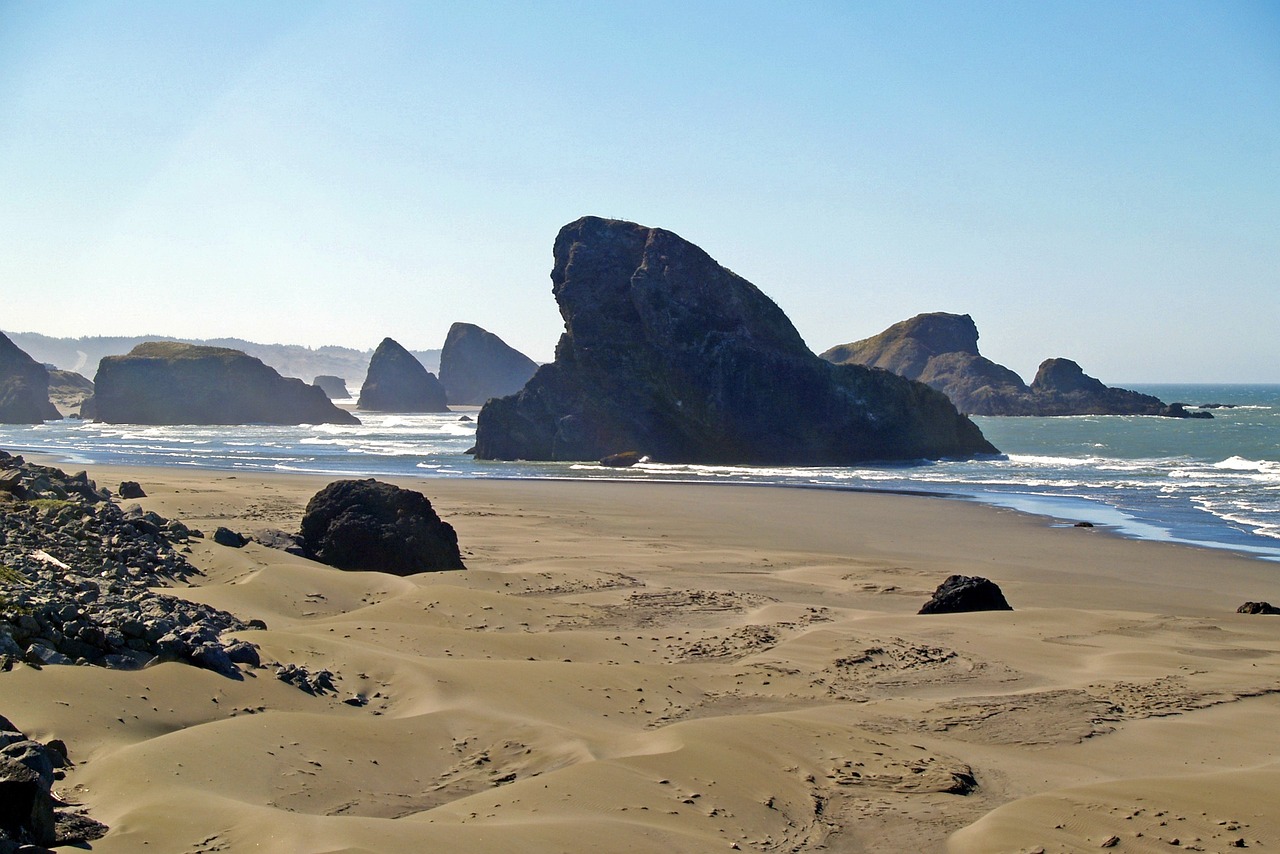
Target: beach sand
[686, 668]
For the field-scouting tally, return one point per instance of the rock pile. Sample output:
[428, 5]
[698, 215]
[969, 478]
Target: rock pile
[75, 576]
[30, 815]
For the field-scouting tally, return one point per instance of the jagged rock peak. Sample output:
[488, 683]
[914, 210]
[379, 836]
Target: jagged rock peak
[476, 365]
[167, 382]
[24, 387]
[668, 354]
[942, 350]
[397, 382]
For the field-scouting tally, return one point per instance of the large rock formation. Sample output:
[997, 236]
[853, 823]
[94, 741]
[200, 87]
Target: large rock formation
[24, 387]
[334, 387]
[397, 382]
[668, 354]
[476, 365]
[942, 350]
[164, 382]
[370, 525]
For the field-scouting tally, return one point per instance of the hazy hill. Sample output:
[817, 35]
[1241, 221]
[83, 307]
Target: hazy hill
[292, 360]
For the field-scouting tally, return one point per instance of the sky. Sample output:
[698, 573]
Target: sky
[1094, 180]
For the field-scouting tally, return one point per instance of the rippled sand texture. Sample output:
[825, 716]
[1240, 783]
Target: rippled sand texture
[648, 667]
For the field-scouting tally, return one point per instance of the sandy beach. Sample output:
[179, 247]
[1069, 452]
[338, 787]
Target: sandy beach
[664, 667]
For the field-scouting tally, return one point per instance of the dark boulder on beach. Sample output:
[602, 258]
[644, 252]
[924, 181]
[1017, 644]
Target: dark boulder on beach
[667, 352]
[397, 382]
[31, 816]
[965, 593]
[166, 382]
[130, 489]
[24, 387]
[941, 350]
[1257, 608]
[375, 526]
[476, 365]
[335, 388]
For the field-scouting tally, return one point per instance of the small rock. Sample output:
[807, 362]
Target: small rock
[1257, 608]
[227, 537]
[964, 593]
[130, 489]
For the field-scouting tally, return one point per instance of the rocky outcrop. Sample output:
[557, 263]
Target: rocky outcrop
[369, 525]
[1061, 387]
[941, 350]
[1257, 608]
[963, 593]
[78, 579]
[670, 355]
[31, 817]
[164, 382]
[397, 382]
[476, 365]
[333, 387]
[24, 387]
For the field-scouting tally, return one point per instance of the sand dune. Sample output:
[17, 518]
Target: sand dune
[641, 667]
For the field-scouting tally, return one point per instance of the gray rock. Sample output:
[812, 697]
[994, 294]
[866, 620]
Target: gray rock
[227, 537]
[397, 382]
[369, 525]
[165, 382]
[334, 387]
[965, 593]
[941, 350]
[24, 387]
[476, 365]
[668, 353]
[130, 489]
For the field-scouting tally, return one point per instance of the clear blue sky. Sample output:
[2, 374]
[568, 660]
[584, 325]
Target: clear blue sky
[1097, 180]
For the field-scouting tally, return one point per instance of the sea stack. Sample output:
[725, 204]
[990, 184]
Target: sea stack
[397, 382]
[24, 387]
[941, 350]
[668, 354]
[476, 365]
[166, 382]
[334, 387]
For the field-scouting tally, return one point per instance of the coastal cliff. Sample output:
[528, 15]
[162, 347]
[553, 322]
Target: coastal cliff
[669, 354]
[941, 350]
[24, 387]
[164, 382]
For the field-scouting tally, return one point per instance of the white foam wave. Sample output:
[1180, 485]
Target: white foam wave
[1246, 465]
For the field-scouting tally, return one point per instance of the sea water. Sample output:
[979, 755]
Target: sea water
[1207, 482]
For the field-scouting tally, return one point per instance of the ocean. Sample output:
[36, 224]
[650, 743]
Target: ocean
[1213, 483]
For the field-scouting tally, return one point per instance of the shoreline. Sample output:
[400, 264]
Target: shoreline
[685, 668]
[1101, 515]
